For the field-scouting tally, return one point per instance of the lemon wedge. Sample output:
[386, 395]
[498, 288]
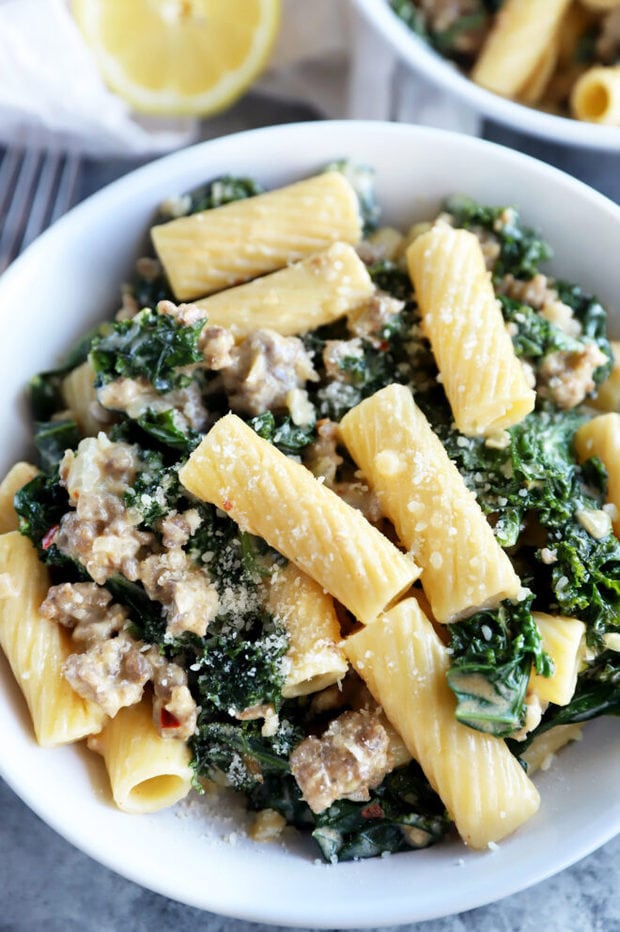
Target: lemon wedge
[175, 57]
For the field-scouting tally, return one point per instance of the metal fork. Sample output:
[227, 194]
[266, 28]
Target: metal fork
[36, 188]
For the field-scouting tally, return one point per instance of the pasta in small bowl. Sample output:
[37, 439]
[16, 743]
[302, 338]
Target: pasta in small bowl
[308, 540]
[549, 69]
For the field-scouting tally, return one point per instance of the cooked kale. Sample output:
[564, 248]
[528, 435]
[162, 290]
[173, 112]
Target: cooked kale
[493, 653]
[593, 319]
[535, 336]
[242, 667]
[147, 621]
[46, 387]
[521, 248]
[150, 346]
[282, 433]
[222, 191]
[391, 278]
[52, 438]
[240, 752]
[155, 490]
[168, 429]
[233, 557]
[402, 813]
[40, 505]
[362, 180]
[149, 290]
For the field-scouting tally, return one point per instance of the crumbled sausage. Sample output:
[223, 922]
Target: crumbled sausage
[174, 710]
[112, 673]
[86, 609]
[567, 377]
[188, 597]
[265, 367]
[371, 319]
[350, 758]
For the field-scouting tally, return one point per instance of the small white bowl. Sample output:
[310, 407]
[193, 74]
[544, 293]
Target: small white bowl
[70, 278]
[424, 60]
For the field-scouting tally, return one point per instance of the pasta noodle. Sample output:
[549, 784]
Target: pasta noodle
[217, 248]
[315, 657]
[601, 437]
[596, 96]
[37, 648]
[517, 43]
[15, 479]
[482, 377]
[404, 664]
[436, 517]
[303, 296]
[275, 498]
[147, 772]
[564, 640]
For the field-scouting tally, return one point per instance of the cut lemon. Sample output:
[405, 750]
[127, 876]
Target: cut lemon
[173, 57]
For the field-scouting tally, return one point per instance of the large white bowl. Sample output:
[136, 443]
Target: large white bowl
[420, 57]
[68, 279]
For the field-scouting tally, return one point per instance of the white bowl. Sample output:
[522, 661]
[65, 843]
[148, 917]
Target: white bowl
[70, 278]
[424, 60]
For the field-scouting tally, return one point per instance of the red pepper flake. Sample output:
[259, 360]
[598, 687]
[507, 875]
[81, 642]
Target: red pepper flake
[227, 505]
[373, 811]
[48, 538]
[168, 720]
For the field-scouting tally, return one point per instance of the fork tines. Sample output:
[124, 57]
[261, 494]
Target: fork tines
[36, 188]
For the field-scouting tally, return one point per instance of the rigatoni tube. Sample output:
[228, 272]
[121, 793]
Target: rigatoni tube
[436, 517]
[482, 785]
[276, 498]
[481, 374]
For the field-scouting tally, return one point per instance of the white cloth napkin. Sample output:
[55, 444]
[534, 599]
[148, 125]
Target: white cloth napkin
[51, 93]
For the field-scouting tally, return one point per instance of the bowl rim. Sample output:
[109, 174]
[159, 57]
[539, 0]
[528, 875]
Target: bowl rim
[430, 65]
[141, 180]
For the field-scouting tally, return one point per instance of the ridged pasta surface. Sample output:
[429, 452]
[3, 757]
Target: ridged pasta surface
[37, 648]
[564, 640]
[482, 377]
[217, 248]
[301, 297]
[78, 391]
[436, 517]
[522, 33]
[481, 784]
[272, 496]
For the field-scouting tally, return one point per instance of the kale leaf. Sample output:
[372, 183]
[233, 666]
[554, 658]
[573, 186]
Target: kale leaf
[40, 505]
[493, 653]
[402, 813]
[52, 438]
[149, 346]
[521, 249]
[220, 191]
[282, 433]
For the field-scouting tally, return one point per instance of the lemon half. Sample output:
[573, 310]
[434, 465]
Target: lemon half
[173, 57]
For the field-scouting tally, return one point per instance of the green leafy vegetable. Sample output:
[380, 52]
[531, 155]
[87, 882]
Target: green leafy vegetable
[493, 653]
[402, 813]
[282, 433]
[150, 346]
[52, 438]
[521, 248]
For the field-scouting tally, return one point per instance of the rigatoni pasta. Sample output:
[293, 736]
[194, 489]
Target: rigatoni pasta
[271, 496]
[404, 663]
[267, 544]
[482, 377]
[435, 515]
[218, 248]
